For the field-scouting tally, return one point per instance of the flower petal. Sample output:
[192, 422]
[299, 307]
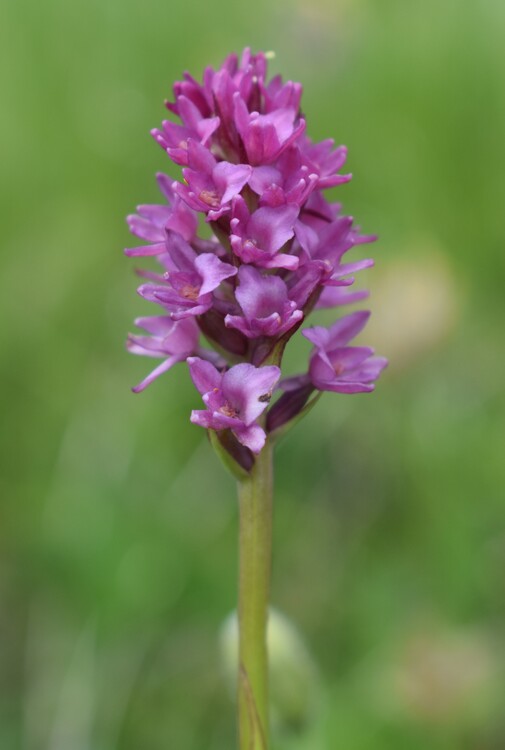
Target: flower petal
[248, 389]
[272, 227]
[212, 271]
[203, 374]
[163, 367]
[253, 437]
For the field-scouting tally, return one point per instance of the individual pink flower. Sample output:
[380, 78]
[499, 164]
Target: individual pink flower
[234, 399]
[266, 307]
[210, 186]
[188, 292]
[175, 341]
[334, 366]
[257, 238]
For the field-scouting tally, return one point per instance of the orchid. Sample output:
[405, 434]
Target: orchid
[278, 253]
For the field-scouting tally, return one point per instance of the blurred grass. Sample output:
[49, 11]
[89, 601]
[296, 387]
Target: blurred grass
[118, 528]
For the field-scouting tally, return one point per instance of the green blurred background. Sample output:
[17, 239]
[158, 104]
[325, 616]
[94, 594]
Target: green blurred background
[118, 525]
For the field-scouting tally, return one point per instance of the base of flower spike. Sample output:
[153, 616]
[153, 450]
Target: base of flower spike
[237, 459]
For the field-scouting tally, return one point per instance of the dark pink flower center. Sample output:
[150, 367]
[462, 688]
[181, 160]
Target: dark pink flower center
[210, 197]
[190, 292]
[228, 411]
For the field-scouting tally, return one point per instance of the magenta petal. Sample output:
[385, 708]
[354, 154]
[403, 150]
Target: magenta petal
[230, 179]
[340, 333]
[173, 135]
[333, 296]
[206, 128]
[282, 120]
[180, 253]
[216, 420]
[297, 132]
[294, 383]
[203, 374]
[158, 325]
[189, 197]
[202, 418]
[318, 335]
[273, 325]
[253, 437]
[240, 213]
[158, 294]
[370, 369]
[307, 237]
[261, 142]
[345, 369]
[154, 213]
[201, 185]
[342, 386]
[249, 388]
[223, 91]
[347, 358]
[281, 260]
[258, 295]
[145, 346]
[272, 227]
[212, 271]
[333, 180]
[305, 283]
[163, 367]
[240, 324]
[145, 250]
[264, 177]
[145, 229]
[341, 270]
[346, 328]
[182, 220]
[190, 312]
[188, 112]
[200, 158]
[321, 369]
[182, 337]
[165, 185]
[240, 113]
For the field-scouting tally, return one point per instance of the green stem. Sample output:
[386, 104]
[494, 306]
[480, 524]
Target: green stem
[255, 552]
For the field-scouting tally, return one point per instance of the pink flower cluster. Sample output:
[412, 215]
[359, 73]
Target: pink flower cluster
[276, 252]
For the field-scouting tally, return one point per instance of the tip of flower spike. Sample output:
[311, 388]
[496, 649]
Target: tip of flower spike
[270, 55]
